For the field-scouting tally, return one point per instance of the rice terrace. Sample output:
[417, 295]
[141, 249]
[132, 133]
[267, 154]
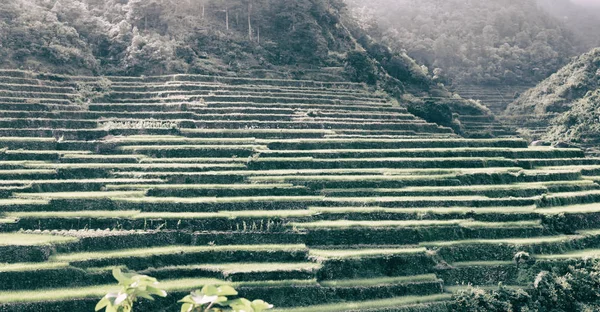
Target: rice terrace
[204, 155]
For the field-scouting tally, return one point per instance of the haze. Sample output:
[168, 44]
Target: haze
[587, 2]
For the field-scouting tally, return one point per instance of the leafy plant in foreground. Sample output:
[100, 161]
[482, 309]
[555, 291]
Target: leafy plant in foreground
[133, 286]
[209, 297]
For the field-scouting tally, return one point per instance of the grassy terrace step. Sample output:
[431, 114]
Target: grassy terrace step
[256, 133]
[504, 249]
[300, 144]
[569, 198]
[229, 190]
[183, 150]
[279, 293]
[246, 95]
[19, 247]
[268, 99]
[266, 163]
[104, 170]
[429, 152]
[237, 272]
[47, 123]
[428, 201]
[318, 106]
[143, 107]
[344, 232]
[431, 303]
[494, 191]
[371, 262]
[491, 214]
[333, 125]
[33, 94]
[35, 88]
[143, 258]
[245, 226]
[480, 273]
[72, 185]
[189, 86]
[36, 155]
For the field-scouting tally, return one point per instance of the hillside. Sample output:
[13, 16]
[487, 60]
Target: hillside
[567, 102]
[474, 42]
[580, 16]
[312, 195]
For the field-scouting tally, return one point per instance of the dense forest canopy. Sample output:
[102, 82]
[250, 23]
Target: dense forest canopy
[485, 42]
[167, 36]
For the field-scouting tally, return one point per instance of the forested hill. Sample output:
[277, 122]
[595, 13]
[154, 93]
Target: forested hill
[572, 97]
[473, 41]
[169, 36]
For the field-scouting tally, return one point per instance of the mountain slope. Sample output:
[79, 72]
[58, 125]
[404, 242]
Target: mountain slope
[570, 95]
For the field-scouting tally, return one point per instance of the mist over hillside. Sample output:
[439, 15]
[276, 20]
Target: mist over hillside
[483, 42]
[581, 16]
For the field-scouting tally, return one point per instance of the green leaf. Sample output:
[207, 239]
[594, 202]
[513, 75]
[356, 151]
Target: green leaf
[156, 291]
[201, 299]
[102, 303]
[260, 305]
[120, 298]
[120, 277]
[227, 290]
[210, 290]
[186, 307]
[240, 304]
[186, 299]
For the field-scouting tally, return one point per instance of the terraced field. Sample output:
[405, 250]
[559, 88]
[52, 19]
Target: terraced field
[314, 196]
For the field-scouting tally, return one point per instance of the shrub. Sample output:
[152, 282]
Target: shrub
[133, 286]
[209, 296]
[360, 68]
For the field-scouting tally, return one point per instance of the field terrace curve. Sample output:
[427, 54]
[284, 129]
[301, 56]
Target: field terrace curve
[314, 196]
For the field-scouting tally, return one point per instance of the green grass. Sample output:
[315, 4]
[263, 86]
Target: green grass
[26, 171]
[20, 267]
[190, 160]
[372, 305]
[588, 208]
[429, 210]
[200, 200]
[202, 186]
[477, 224]
[259, 267]
[585, 253]
[183, 147]
[110, 180]
[21, 201]
[481, 263]
[226, 214]
[24, 239]
[380, 281]
[143, 252]
[343, 224]
[509, 241]
[175, 285]
[133, 166]
[82, 195]
[360, 253]
[74, 214]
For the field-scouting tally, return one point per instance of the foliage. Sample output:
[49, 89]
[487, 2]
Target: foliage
[574, 94]
[360, 68]
[88, 91]
[133, 287]
[209, 296]
[163, 36]
[501, 300]
[491, 42]
[572, 291]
